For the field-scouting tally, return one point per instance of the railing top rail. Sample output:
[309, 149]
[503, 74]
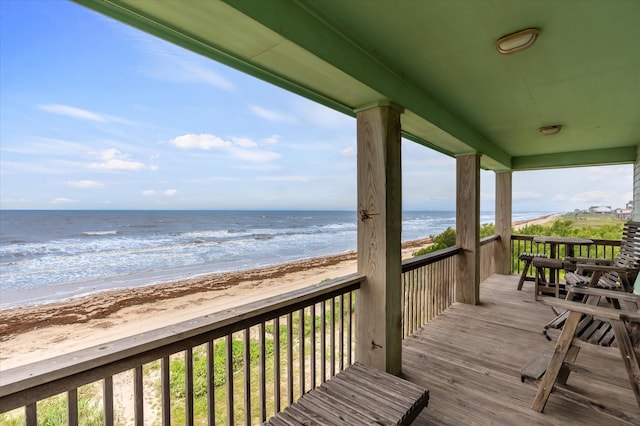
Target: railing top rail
[523, 237]
[489, 239]
[124, 353]
[427, 259]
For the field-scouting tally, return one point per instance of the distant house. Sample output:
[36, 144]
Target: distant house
[624, 214]
[600, 209]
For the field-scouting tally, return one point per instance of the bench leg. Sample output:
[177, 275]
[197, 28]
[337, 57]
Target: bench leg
[629, 356]
[555, 364]
[523, 276]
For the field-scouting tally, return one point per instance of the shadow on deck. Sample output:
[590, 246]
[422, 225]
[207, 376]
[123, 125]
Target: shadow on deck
[470, 357]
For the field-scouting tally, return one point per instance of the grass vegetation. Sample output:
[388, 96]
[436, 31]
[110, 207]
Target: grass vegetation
[177, 370]
[53, 411]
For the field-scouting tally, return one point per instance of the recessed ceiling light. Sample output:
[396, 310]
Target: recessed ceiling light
[550, 130]
[518, 41]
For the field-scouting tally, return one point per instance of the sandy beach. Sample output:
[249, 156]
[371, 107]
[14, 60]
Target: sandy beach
[32, 333]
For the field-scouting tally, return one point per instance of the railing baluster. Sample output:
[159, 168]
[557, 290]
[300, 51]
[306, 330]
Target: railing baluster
[188, 385]
[341, 347]
[31, 415]
[138, 395]
[290, 358]
[323, 341]
[312, 340]
[276, 364]
[165, 391]
[229, 374]
[247, 377]
[263, 374]
[211, 399]
[301, 356]
[107, 401]
[72, 407]
[351, 330]
[332, 335]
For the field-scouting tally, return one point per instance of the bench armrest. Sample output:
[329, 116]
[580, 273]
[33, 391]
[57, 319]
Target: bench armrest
[589, 260]
[597, 311]
[611, 294]
[604, 268]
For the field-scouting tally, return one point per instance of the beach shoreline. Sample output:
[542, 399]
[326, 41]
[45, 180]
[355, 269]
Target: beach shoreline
[31, 333]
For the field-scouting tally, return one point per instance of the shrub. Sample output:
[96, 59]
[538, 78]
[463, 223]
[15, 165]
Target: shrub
[447, 238]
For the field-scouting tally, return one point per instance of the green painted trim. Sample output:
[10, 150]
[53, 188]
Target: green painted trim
[299, 22]
[596, 157]
[130, 16]
[425, 143]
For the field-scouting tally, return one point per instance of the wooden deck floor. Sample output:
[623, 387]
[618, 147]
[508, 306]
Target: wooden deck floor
[470, 358]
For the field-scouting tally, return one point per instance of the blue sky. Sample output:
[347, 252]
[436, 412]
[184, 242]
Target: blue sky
[97, 115]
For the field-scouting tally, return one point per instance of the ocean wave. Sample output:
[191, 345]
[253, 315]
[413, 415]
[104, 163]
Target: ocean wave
[100, 233]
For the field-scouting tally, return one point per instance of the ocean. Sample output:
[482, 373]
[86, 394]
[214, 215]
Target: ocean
[48, 256]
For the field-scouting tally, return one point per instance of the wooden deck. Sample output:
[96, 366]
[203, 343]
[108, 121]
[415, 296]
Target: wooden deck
[470, 357]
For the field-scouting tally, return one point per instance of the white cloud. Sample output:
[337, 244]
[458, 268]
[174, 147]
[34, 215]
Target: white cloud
[61, 200]
[81, 114]
[172, 64]
[287, 178]
[348, 152]
[526, 195]
[239, 148]
[596, 198]
[167, 192]
[112, 159]
[259, 156]
[72, 112]
[270, 115]
[85, 184]
[323, 116]
[244, 142]
[14, 200]
[271, 140]
[202, 141]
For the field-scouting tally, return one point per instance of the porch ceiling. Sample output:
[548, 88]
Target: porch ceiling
[438, 60]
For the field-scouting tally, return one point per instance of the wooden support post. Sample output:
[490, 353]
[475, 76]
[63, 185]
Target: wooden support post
[378, 303]
[502, 253]
[468, 228]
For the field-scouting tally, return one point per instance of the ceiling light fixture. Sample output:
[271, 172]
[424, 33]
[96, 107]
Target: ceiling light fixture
[550, 130]
[518, 41]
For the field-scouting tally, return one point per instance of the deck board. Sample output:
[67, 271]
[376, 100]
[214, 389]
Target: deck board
[470, 358]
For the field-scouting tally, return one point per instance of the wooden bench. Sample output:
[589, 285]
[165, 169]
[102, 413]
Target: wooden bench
[359, 395]
[527, 258]
[588, 326]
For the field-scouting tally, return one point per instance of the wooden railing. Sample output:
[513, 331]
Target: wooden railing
[237, 366]
[487, 256]
[241, 365]
[428, 287]
[603, 249]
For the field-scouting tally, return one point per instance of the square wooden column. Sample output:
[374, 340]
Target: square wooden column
[378, 302]
[502, 252]
[468, 228]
